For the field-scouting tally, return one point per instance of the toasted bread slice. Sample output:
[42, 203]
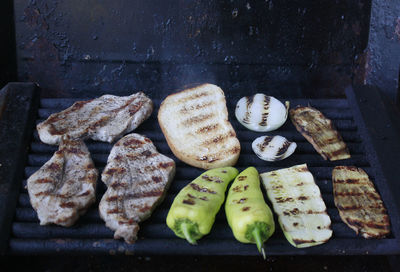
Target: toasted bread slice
[196, 127]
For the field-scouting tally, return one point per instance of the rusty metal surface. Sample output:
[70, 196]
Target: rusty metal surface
[79, 47]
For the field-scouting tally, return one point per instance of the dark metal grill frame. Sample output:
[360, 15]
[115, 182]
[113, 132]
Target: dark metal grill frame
[90, 235]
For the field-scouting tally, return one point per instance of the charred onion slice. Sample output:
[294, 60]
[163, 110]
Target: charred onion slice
[261, 112]
[273, 148]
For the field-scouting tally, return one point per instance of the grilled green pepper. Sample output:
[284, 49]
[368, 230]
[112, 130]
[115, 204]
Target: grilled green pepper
[193, 211]
[248, 215]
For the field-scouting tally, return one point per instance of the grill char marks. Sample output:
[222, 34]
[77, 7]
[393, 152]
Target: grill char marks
[249, 103]
[194, 120]
[320, 132]
[137, 177]
[265, 143]
[196, 126]
[299, 205]
[358, 202]
[105, 118]
[264, 117]
[64, 187]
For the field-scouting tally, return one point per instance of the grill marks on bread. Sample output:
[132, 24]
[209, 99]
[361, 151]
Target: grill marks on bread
[105, 118]
[196, 127]
[137, 177]
[320, 132]
[359, 204]
[64, 187]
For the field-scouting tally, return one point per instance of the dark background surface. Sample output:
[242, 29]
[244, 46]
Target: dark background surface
[294, 48]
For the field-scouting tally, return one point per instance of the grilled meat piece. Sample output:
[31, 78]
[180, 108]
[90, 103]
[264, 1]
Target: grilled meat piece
[64, 187]
[320, 132]
[137, 177]
[359, 204]
[297, 201]
[106, 118]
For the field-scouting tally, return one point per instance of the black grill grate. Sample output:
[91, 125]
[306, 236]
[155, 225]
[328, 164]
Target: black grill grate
[90, 235]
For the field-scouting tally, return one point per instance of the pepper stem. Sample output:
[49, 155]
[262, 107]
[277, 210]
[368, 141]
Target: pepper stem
[186, 232]
[259, 241]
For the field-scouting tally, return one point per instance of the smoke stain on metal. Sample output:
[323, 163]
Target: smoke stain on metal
[397, 29]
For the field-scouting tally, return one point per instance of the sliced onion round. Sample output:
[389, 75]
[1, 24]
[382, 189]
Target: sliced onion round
[261, 112]
[273, 148]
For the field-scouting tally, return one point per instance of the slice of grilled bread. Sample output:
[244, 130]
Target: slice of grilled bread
[196, 127]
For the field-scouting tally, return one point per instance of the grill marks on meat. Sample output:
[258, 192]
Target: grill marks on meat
[64, 187]
[358, 202]
[137, 177]
[320, 132]
[105, 118]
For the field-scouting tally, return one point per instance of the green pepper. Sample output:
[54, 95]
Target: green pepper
[248, 215]
[193, 211]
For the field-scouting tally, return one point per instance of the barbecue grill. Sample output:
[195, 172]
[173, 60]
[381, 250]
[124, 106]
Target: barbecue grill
[307, 53]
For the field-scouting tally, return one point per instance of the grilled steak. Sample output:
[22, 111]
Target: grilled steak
[196, 126]
[297, 201]
[105, 118]
[64, 187]
[137, 177]
[359, 204]
[320, 132]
